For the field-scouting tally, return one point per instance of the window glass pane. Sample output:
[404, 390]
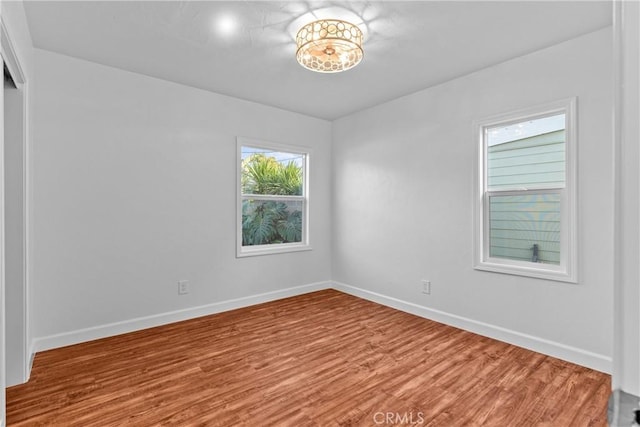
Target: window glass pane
[528, 154]
[272, 172]
[266, 222]
[525, 227]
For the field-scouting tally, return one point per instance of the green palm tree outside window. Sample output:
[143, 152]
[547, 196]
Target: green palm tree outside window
[267, 222]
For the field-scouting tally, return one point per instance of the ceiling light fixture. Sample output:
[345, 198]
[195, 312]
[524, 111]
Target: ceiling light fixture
[329, 46]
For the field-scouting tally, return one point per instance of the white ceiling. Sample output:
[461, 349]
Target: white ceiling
[408, 45]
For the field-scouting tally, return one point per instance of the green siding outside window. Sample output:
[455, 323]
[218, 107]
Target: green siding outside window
[519, 223]
[529, 163]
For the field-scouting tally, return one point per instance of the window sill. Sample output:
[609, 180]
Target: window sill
[249, 251]
[528, 270]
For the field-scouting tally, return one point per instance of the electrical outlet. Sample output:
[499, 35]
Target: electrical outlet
[183, 287]
[426, 287]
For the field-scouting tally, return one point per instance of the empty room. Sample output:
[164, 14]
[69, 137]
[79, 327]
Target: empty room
[301, 213]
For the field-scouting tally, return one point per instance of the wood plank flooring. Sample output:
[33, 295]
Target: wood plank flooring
[320, 359]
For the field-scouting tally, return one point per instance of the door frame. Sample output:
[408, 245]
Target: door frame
[11, 61]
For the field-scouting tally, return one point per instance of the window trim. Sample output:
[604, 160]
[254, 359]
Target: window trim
[255, 250]
[567, 271]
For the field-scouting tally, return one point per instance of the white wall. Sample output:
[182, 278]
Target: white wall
[626, 373]
[134, 189]
[3, 346]
[403, 203]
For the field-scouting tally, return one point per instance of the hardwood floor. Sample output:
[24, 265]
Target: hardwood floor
[320, 359]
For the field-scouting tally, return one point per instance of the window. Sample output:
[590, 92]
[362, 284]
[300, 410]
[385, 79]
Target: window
[525, 220]
[273, 200]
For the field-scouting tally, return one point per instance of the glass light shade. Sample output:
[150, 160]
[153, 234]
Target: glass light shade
[329, 46]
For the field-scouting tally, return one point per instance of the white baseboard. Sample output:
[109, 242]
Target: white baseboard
[571, 354]
[561, 351]
[32, 355]
[103, 331]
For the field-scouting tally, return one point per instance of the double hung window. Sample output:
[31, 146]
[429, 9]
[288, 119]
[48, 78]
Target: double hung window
[272, 198]
[526, 193]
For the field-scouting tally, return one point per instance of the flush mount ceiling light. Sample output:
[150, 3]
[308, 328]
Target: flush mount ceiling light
[329, 46]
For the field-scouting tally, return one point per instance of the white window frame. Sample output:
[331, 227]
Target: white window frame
[303, 245]
[567, 271]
